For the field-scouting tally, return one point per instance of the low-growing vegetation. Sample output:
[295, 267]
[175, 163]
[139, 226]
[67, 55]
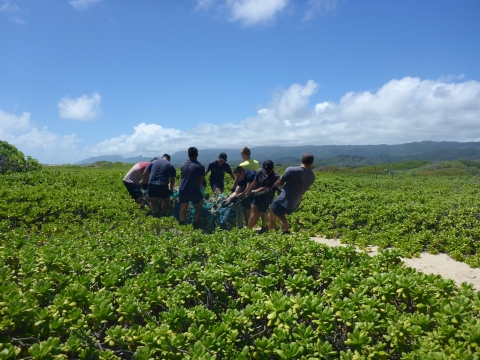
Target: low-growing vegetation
[85, 274]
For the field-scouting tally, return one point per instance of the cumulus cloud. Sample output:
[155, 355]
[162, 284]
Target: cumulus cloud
[14, 123]
[402, 110]
[83, 4]
[247, 12]
[39, 143]
[82, 108]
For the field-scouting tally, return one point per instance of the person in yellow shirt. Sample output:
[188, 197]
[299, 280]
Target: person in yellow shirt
[248, 164]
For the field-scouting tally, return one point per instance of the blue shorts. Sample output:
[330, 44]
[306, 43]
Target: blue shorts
[133, 190]
[280, 210]
[186, 196]
[158, 191]
[217, 186]
[261, 203]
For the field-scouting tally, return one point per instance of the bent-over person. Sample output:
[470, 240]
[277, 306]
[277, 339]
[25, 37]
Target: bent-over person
[160, 176]
[265, 178]
[296, 180]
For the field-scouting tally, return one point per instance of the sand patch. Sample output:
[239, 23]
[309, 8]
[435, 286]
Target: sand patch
[440, 264]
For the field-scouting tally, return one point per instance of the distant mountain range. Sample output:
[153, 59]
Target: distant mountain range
[355, 155]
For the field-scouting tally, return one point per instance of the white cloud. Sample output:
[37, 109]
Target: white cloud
[14, 123]
[319, 7]
[247, 12]
[40, 143]
[82, 108]
[83, 4]
[404, 110]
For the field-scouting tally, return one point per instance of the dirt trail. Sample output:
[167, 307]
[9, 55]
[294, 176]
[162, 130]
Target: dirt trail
[440, 264]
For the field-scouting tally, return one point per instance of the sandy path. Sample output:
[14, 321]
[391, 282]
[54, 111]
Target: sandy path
[440, 264]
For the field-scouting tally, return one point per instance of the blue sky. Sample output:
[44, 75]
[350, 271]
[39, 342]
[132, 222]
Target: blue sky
[81, 78]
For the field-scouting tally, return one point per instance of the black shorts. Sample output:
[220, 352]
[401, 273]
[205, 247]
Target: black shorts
[133, 190]
[247, 203]
[280, 210]
[216, 186]
[158, 191]
[261, 203]
[186, 196]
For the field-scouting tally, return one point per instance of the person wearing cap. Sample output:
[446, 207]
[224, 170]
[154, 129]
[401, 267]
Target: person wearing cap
[244, 179]
[218, 168]
[133, 180]
[265, 178]
[297, 180]
[191, 180]
[160, 176]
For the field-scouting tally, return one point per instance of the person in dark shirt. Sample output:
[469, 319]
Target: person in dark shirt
[160, 176]
[265, 178]
[245, 179]
[192, 176]
[297, 180]
[218, 168]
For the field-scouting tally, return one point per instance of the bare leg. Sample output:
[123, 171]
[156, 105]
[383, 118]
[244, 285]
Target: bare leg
[183, 212]
[272, 221]
[165, 205]
[246, 215]
[283, 222]
[254, 216]
[264, 219]
[198, 211]
[154, 205]
[139, 200]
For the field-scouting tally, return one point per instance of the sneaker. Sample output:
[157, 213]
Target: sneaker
[263, 230]
[286, 232]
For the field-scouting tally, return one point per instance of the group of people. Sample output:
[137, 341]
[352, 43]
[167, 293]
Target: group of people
[255, 187]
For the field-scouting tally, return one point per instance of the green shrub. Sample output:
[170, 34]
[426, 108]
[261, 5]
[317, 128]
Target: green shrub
[13, 160]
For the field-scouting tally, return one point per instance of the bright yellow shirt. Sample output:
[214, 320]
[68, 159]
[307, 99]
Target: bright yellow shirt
[250, 165]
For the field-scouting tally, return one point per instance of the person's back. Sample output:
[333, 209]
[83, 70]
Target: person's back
[192, 176]
[297, 180]
[134, 175]
[191, 172]
[160, 172]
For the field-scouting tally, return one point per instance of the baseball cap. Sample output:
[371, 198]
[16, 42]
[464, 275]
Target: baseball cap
[222, 156]
[268, 165]
[192, 152]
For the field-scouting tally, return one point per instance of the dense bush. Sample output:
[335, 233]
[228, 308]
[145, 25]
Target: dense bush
[84, 274]
[13, 160]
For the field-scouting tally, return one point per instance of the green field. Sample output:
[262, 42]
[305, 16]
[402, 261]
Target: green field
[85, 274]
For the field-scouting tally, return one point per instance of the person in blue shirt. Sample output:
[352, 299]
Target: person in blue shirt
[245, 179]
[265, 178]
[191, 180]
[297, 180]
[218, 168]
[160, 176]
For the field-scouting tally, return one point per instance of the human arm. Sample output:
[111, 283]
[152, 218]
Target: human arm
[145, 176]
[172, 183]
[237, 193]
